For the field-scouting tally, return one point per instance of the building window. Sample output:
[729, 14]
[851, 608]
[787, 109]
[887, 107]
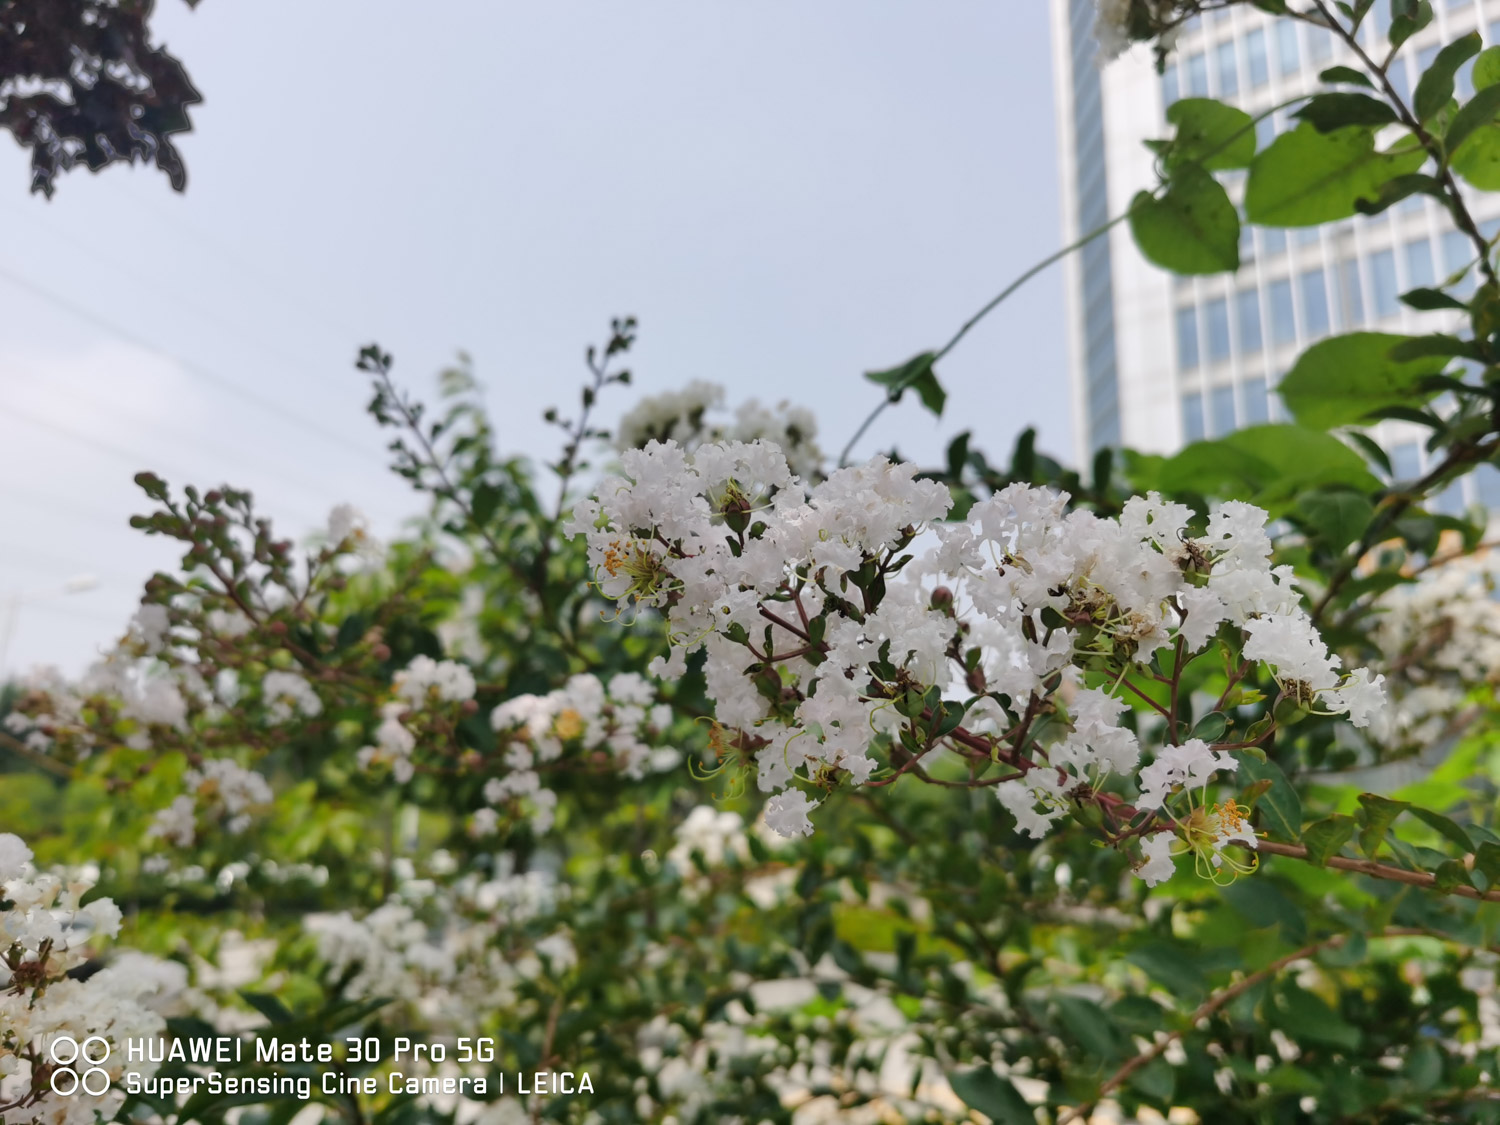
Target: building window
[1196, 67]
[1257, 407]
[1351, 305]
[1216, 313]
[1406, 461]
[1450, 502]
[1458, 253]
[1259, 69]
[1283, 319]
[1314, 303]
[1229, 75]
[1247, 312]
[1385, 293]
[1247, 243]
[1187, 338]
[1222, 402]
[1308, 236]
[1419, 271]
[1494, 30]
[1487, 485]
[1273, 241]
[1397, 75]
[1287, 60]
[1169, 93]
[1265, 131]
[1319, 45]
[1192, 417]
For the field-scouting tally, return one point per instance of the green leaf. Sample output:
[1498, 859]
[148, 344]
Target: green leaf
[1270, 466]
[1327, 112]
[915, 374]
[1157, 1079]
[1171, 966]
[1192, 228]
[1311, 1019]
[1340, 380]
[1435, 87]
[1091, 1027]
[485, 504]
[1325, 837]
[1211, 727]
[269, 1006]
[991, 1095]
[1487, 861]
[1487, 68]
[1477, 111]
[1445, 827]
[1338, 518]
[1373, 451]
[1304, 177]
[1280, 807]
[1394, 190]
[1345, 74]
[1477, 159]
[1430, 300]
[1450, 874]
[1375, 816]
[1437, 343]
[1210, 134]
[1424, 1066]
[1408, 23]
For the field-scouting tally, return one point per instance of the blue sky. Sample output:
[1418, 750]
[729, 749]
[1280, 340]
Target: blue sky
[786, 195]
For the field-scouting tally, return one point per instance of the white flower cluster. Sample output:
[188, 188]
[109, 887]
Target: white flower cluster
[712, 833]
[1441, 635]
[452, 951]
[818, 638]
[46, 930]
[614, 726]
[1119, 23]
[423, 685]
[287, 695]
[220, 788]
[426, 681]
[683, 416]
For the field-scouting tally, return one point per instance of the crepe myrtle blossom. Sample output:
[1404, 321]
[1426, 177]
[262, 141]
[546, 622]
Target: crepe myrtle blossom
[1118, 24]
[684, 416]
[832, 642]
[287, 695]
[45, 931]
[219, 789]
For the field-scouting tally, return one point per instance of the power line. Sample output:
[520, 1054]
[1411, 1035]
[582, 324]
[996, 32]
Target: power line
[226, 385]
[181, 440]
[255, 343]
[273, 285]
[133, 457]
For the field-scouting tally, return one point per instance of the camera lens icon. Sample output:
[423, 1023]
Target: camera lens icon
[93, 1052]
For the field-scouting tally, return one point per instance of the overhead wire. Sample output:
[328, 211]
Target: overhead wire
[134, 457]
[196, 370]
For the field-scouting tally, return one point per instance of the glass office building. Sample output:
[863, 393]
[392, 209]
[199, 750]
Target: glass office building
[1158, 361]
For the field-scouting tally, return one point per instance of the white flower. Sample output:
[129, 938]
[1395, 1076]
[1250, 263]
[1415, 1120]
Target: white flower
[786, 813]
[1158, 866]
[14, 856]
[286, 695]
[425, 679]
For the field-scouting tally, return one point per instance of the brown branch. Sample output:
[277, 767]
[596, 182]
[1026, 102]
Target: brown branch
[1202, 1012]
[17, 746]
[1377, 870]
